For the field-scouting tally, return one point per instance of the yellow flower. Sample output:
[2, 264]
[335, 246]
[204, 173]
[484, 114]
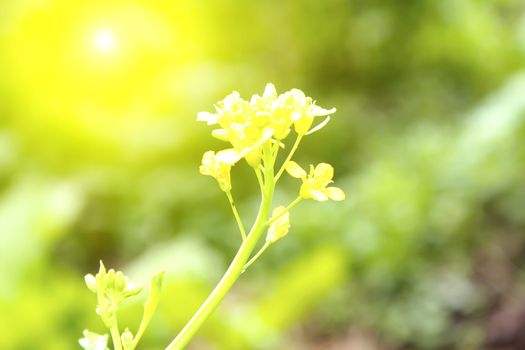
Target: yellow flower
[278, 228]
[315, 183]
[248, 125]
[217, 169]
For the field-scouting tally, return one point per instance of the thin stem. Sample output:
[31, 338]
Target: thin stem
[115, 335]
[290, 155]
[256, 256]
[258, 173]
[236, 267]
[236, 214]
[288, 208]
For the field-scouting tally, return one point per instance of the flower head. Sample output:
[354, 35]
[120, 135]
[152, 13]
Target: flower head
[315, 183]
[111, 288]
[248, 125]
[220, 170]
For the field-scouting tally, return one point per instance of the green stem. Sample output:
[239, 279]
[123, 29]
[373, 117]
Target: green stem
[236, 267]
[115, 335]
[236, 214]
[256, 256]
[259, 179]
[290, 155]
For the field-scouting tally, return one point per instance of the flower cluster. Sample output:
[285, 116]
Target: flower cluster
[249, 125]
[111, 288]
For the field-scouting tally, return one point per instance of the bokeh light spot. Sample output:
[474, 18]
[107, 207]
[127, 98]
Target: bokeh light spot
[104, 41]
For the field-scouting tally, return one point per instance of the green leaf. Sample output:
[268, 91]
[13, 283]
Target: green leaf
[150, 305]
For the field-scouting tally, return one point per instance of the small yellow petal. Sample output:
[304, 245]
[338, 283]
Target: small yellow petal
[228, 156]
[295, 170]
[318, 195]
[324, 171]
[335, 193]
[303, 124]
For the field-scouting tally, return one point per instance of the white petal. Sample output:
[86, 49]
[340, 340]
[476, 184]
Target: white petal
[270, 91]
[316, 111]
[208, 117]
[228, 156]
[319, 126]
[295, 170]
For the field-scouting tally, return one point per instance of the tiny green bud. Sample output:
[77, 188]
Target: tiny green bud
[120, 281]
[133, 289]
[101, 277]
[91, 282]
[102, 269]
[127, 339]
[110, 279]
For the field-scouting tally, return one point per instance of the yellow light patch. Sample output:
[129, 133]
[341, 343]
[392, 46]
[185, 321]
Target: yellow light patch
[104, 41]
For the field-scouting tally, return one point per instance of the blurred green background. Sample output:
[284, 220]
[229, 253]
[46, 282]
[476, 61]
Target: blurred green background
[99, 156]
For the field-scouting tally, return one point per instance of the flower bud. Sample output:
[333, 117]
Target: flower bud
[127, 339]
[280, 226]
[110, 279]
[133, 289]
[91, 282]
[120, 281]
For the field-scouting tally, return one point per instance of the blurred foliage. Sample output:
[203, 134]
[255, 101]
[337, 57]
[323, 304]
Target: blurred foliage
[99, 155]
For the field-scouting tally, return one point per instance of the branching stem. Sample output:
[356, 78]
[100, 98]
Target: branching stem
[290, 155]
[236, 267]
[256, 256]
[115, 335]
[236, 214]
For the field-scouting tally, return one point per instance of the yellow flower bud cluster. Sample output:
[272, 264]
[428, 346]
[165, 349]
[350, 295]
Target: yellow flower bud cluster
[249, 125]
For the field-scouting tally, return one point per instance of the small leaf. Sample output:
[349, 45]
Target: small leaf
[150, 305]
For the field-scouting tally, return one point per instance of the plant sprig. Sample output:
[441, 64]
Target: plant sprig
[255, 130]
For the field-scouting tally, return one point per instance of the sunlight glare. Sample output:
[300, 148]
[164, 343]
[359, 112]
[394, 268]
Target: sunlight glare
[104, 41]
